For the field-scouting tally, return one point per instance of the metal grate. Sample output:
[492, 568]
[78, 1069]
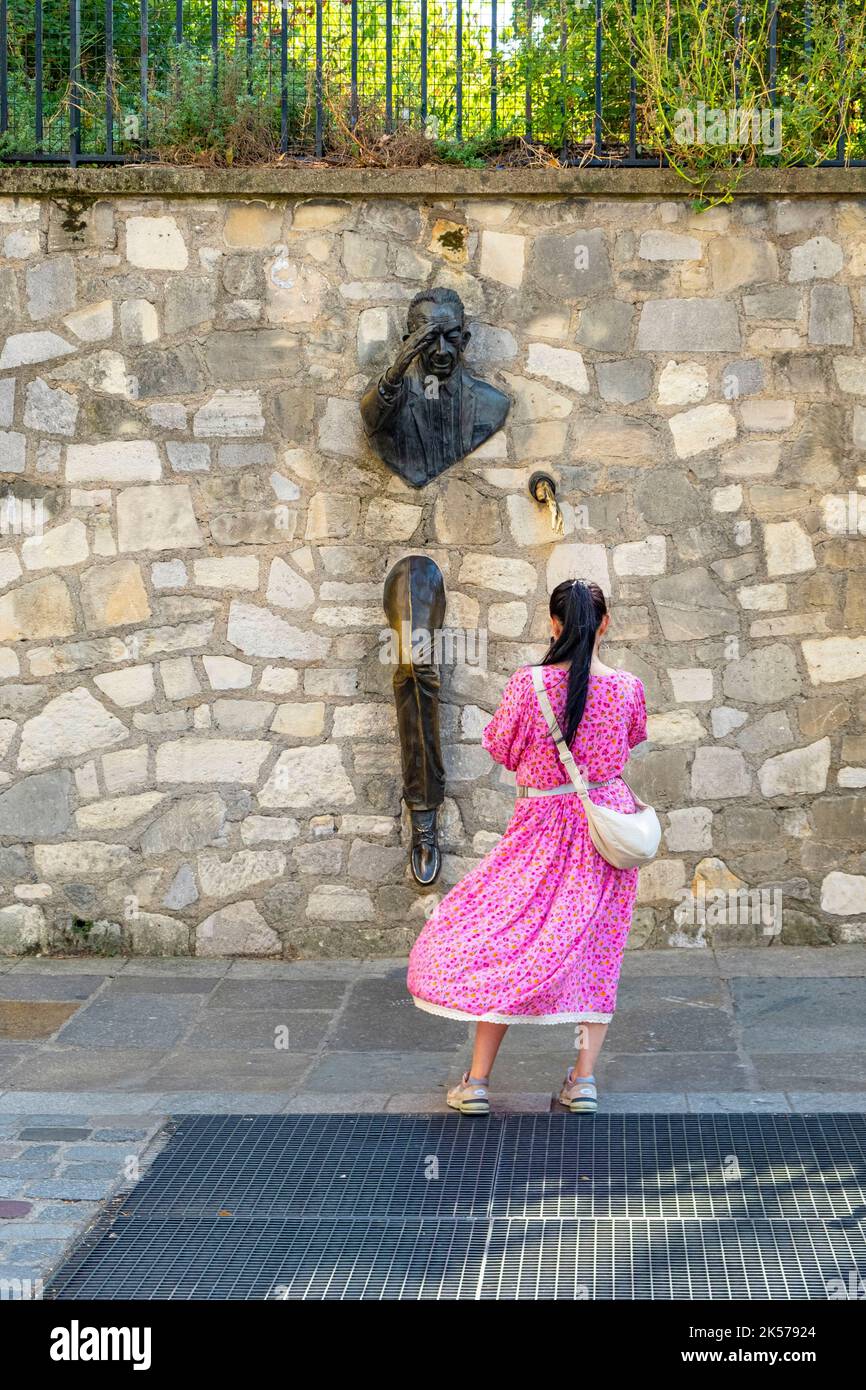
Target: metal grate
[343, 1166]
[243, 1259]
[670, 1259]
[527, 1207]
[683, 1166]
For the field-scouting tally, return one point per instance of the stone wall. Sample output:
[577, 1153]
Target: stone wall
[197, 739]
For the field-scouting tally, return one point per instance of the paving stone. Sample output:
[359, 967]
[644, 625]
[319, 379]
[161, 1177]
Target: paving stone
[137, 1020]
[380, 1016]
[774, 1102]
[328, 1103]
[161, 984]
[60, 1134]
[237, 1070]
[119, 1135]
[159, 965]
[95, 1152]
[273, 994]
[19, 986]
[61, 1215]
[72, 1189]
[812, 1072]
[771, 1013]
[637, 1102]
[48, 965]
[31, 1018]
[46, 1105]
[341, 1073]
[94, 1172]
[816, 1102]
[260, 1030]
[666, 1072]
[39, 1251]
[107, 1063]
[23, 1170]
[11, 1212]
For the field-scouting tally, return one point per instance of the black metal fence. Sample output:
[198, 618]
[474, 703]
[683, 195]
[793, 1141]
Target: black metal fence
[108, 80]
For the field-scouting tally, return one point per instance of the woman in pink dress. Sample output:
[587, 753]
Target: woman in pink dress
[535, 933]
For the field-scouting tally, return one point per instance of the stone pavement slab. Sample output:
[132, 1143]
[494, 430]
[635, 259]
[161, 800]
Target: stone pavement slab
[810, 1071]
[83, 1068]
[816, 1015]
[56, 1199]
[690, 1022]
[133, 1020]
[19, 984]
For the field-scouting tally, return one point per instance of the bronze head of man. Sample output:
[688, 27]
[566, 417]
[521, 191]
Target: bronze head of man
[426, 410]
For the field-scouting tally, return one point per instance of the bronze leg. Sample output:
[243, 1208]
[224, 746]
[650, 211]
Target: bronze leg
[414, 601]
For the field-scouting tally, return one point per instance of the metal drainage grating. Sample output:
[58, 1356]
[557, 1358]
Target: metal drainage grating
[683, 1166]
[242, 1259]
[670, 1259]
[344, 1166]
[528, 1207]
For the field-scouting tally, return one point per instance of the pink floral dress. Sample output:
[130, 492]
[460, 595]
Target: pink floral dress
[535, 933]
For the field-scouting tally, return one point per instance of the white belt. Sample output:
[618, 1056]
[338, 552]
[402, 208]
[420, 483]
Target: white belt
[565, 790]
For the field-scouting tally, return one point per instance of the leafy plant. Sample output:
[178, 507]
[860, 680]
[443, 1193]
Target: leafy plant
[532, 99]
[224, 115]
[710, 101]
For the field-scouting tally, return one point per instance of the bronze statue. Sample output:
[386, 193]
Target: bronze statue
[426, 411]
[414, 602]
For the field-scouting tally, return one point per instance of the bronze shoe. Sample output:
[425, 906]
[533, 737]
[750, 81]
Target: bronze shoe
[426, 857]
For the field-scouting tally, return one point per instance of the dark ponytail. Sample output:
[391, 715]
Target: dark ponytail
[580, 607]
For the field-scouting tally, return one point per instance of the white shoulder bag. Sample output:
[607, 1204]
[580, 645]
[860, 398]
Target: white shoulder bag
[624, 839]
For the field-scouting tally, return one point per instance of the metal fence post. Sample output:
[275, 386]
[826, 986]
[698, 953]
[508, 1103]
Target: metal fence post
[458, 114]
[353, 92]
[39, 113]
[389, 66]
[528, 92]
[563, 74]
[74, 81]
[215, 44]
[840, 143]
[424, 63]
[494, 72]
[320, 114]
[4, 68]
[632, 89]
[284, 77]
[596, 133]
[249, 29]
[774, 21]
[109, 77]
[143, 70]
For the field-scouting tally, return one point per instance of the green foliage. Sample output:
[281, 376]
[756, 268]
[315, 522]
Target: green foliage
[471, 154]
[686, 54]
[227, 115]
[708, 100]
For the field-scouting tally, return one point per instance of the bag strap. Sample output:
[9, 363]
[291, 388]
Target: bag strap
[562, 748]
